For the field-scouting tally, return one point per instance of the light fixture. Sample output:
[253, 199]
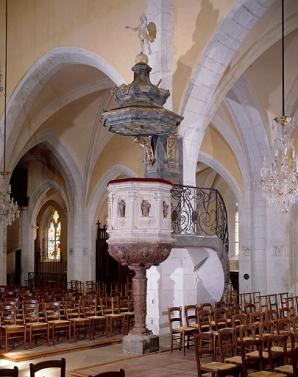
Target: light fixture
[8, 209]
[279, 182]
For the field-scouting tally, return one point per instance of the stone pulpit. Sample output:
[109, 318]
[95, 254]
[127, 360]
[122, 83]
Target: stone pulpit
[139, 227]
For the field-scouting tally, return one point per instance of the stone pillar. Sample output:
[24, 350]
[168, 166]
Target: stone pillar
[140, 301]
[3, 255]
[24, 245]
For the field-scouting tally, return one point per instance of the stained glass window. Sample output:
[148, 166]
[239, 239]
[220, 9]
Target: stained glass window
[54, 237]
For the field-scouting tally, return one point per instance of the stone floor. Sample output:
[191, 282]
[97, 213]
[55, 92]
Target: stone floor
[96, 360]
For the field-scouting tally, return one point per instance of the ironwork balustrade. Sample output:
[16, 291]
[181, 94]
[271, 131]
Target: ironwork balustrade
[201, 211]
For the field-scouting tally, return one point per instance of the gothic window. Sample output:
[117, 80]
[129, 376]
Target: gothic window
[54, 237]
[236, 231]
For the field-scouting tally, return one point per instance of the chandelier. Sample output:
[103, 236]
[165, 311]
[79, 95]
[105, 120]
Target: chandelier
[279, 181]
[8, 209]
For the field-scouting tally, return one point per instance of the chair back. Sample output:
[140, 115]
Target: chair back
[235, 309]
[30, 313]
[207, 350]
[72, 309]
[220, 318]
[227, 343]
[283, 324]
[220, 304]
[255, 317]
[110, 305]
[206, 306]
[175, 316]
[285, 313]
[61, 364]
[52, 310]
[238, 320]
[294, 357]
[9, 372]
[247, 331]
[8, 314]
[91, 308]
[252, 362]
[124, 304]
[271, 315]
[191, 314]
[204, 320]
[249, 308]
[120, 373]
[280, 356]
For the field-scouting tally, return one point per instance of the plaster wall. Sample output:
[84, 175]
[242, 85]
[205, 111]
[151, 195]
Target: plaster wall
[175, 283]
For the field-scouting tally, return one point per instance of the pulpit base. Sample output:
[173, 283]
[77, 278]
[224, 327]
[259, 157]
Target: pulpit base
[140, 344]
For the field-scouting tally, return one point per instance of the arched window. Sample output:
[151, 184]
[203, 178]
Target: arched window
[236, 230]
[54, 237]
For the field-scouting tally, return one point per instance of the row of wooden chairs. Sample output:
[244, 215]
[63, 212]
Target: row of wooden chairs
[251, 356]
[73, 286]
[59, 364]
[199, 321]
[67, 317]
[263, 302]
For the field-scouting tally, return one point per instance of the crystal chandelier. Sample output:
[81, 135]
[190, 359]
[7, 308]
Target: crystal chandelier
[279, 181]
[8, 209]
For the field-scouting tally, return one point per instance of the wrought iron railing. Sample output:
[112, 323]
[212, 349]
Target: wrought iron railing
[39, 279]
[200, 211]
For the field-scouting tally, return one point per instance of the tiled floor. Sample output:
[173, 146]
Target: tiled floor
[162, 364]
[96, 360]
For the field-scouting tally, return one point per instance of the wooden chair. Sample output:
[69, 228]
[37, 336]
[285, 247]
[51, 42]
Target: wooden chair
[283, 325]
[78, 322]
[272, 315]
[263, 303]
[204, 320]
[214, 367]
[178, 332]
[206, 306]
[265, 331]
[255, 318]
[9, 372]
[228, 347]
[278, 353]
[191, 316]
[282, 297]
[249, 308]
[285, 313]
[112, 311]
[257, 362]
[9, 327]
[220, 318]
[272, 300]
[33, 324]
[98, 320]
[121, 373]
[294, 358]
[126, 307]
[220, 304]
[61, 364]
[238, 320]
[57, 325]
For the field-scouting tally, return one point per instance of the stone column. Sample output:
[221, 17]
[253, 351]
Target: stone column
[3, 255]
[140, 301]
[24, 245]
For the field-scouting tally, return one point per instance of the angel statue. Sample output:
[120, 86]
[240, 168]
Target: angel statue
[146, 33]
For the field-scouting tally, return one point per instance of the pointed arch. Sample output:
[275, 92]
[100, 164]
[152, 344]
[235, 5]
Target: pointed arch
[36, 78]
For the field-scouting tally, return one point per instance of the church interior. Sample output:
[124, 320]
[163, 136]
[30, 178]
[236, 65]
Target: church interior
[230, 68]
